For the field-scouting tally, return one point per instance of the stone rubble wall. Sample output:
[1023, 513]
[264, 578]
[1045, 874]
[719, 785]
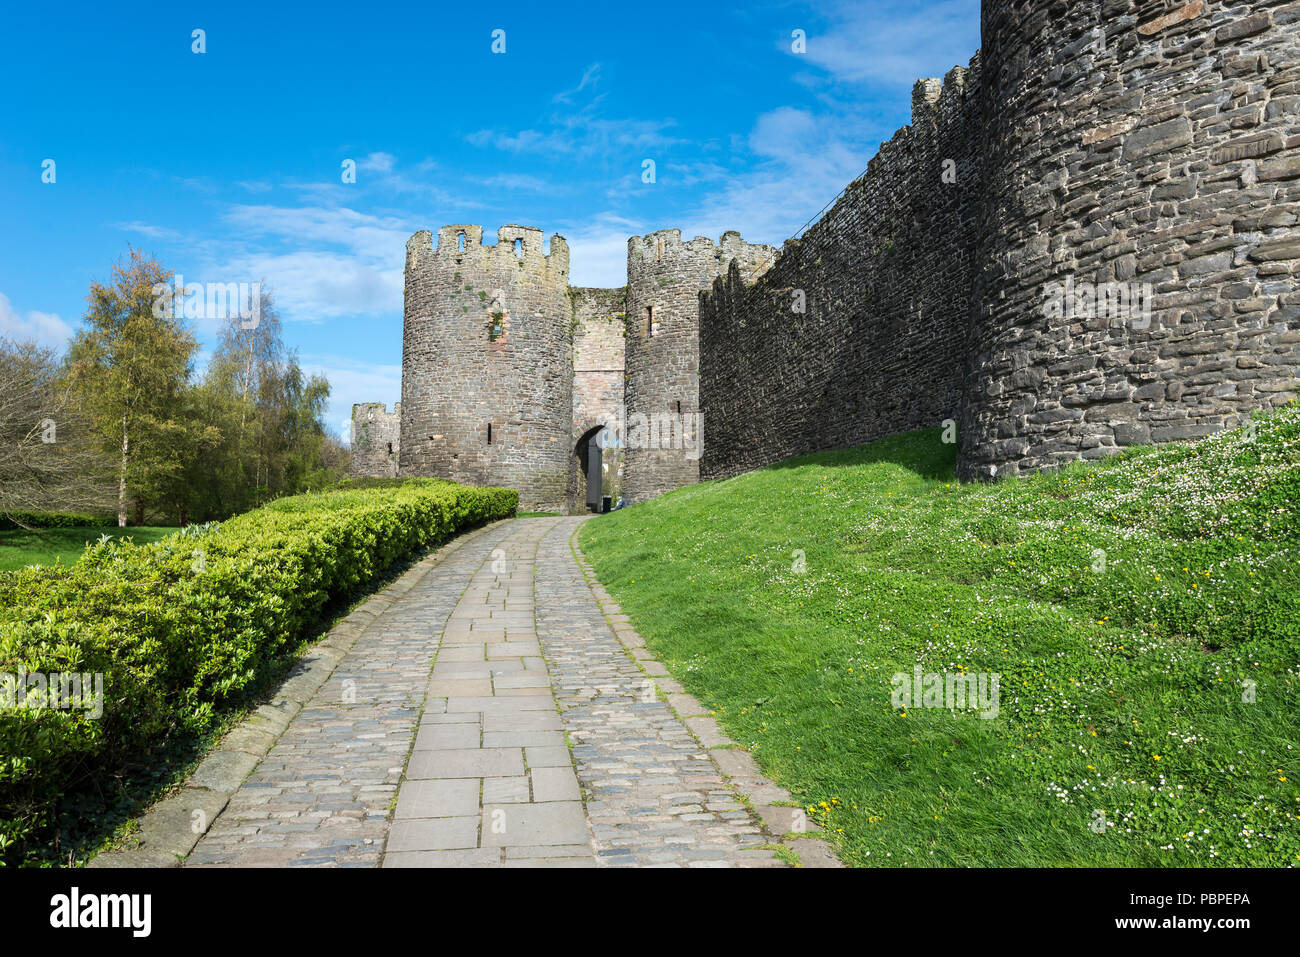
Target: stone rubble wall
[1133, 145]
[1134, 142]
[376, 440]
[599, 318]
[883, 279]
[665, 277]
[487, 341]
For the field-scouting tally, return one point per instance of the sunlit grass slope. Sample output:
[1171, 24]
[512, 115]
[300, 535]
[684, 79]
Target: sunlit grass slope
[1142, 614]
[46, 546]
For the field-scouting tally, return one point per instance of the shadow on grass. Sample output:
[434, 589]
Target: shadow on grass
[923, 452]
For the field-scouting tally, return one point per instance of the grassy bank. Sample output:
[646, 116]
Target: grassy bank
[47, 546]
[1142, 614]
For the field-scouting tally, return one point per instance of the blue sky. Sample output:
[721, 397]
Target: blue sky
[226, 165]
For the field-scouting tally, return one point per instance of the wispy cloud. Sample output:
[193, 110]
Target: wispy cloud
[589, 78]
[598, 250]
[573, 135]
[894, 42]
[379, 162]
[578, 128]
[148, 229]
[800, 161]
[519, 182]
[323, 262]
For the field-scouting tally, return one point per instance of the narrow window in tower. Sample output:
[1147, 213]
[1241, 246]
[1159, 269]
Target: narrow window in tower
[460, 243]
[390, 448]
[519, 248]
[651, 323]
[489, 433]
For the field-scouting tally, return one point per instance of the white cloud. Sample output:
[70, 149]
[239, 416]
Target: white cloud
[321, 262]
[518, 182]
[45, 328]
[802, 162]
[352, 382]
[598, 251]
[580, 130]
[590, 77]
[379, 162]
[147, 229]
[894, 42]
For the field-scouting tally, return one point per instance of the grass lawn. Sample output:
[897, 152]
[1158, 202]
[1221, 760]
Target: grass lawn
[45, 546]
[1142, 614]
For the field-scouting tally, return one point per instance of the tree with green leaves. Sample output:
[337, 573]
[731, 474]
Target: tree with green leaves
[272, 414]
[131, 368]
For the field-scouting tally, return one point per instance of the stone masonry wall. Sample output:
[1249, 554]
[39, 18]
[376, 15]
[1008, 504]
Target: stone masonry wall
[1109, 148]
[883, 279]
[664, 279]
[1085, 240]
[1133, 142]
[599, 316]
[487, 374]
[376, 440]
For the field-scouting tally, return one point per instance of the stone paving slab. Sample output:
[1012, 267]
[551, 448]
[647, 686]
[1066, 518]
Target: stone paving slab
[494, 708]
[654, 795]
[506, 746]
[322, 795]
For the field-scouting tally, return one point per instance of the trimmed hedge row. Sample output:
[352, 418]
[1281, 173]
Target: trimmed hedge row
[180, 628]
[12, 520]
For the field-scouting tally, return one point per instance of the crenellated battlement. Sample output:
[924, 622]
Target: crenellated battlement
[667, 244]
[461, 246]
[937, 101]
[375, 408]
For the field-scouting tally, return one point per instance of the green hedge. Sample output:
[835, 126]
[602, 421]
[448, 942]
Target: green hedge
[12, 520]
[178, 639]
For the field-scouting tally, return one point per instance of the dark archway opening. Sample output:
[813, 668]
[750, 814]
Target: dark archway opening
[590, 461]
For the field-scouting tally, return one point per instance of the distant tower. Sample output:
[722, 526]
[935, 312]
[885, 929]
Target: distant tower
[487, 373]
[376, 439]
[665, 277]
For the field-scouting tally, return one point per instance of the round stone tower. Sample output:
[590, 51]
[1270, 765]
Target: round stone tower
[1136, 282]
[665, 276]
[487, 368]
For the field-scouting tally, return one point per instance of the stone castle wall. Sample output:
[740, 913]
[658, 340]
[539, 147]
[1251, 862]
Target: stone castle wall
[599, 317]
[1084, 240]
[1134, 143]
[376, 440]
[664, 279]
[487, 369]
[858, 330]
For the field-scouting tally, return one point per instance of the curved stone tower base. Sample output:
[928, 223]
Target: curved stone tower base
[487, 369]
[1138, 277]
[665, 277]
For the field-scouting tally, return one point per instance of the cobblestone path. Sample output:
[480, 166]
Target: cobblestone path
[493, 715]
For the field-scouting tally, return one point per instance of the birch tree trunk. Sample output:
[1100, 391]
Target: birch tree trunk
[121, 478]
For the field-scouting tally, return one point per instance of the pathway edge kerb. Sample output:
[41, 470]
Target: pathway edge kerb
[166, 833]
[733, 762]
